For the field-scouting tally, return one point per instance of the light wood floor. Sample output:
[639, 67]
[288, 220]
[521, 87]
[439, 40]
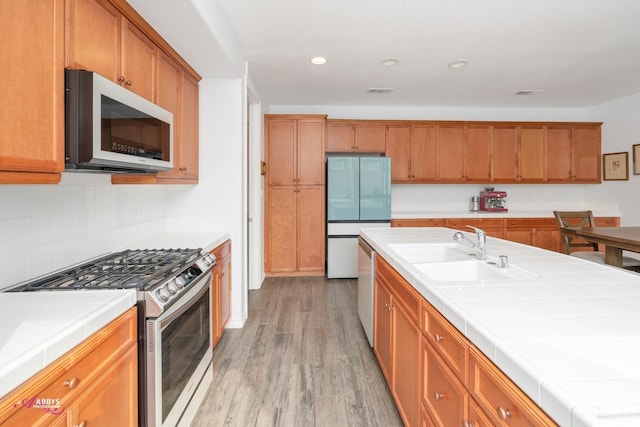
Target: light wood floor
[302, 359]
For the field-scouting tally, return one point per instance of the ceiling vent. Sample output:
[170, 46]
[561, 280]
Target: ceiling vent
[529, 92]
[380, 90]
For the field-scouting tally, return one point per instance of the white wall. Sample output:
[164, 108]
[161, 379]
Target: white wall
[217, 202]
[620, 130]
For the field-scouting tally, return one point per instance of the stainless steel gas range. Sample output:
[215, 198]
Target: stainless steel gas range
[174, 322]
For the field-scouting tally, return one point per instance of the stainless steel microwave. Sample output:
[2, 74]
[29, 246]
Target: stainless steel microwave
[110, 129]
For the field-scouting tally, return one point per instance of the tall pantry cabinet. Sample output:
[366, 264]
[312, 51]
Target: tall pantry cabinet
[294, 195]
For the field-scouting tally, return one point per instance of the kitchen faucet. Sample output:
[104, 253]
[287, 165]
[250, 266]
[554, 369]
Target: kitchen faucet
[480, 246]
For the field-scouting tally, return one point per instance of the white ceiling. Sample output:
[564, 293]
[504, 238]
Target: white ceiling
[579, 52]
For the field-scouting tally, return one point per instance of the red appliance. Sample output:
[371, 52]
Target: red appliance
[493, 201]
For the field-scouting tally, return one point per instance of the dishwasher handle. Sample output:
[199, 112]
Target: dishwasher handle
[365, 247]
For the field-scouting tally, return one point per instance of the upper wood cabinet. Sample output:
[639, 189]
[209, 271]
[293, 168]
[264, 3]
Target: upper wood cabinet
[412, 149]
[493, 152]
[295, 150]
[464, 153]
[102, 40]
[585, 154]
[32, 107]
[355, 136]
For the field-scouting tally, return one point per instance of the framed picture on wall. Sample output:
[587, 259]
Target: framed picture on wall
[615, 166]
[636, 158]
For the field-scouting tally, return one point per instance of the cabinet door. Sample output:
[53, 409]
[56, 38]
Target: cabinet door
[225, 293]
[558, 154]
[504, 164]
[519, 235]
[450, 153]
[280, 239]
[423, 153]
[406, 364]
[168, 96]
[310, 149]
[187, 148]
[585, 154]
[531, 154]
[112, 398]
[281, 134]
[399, 149]
[138, 61]
[478, 153]
[547, 239]
[341, 137]
[382, 328]
[310, 229]
[32, 54]
[370, 138]
[94, 28]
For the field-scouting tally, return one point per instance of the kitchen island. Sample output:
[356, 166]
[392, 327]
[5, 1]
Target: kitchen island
[564, 330]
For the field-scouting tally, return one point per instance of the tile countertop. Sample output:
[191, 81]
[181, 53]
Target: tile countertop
[547, 213]
[37, 328]
[569, 338]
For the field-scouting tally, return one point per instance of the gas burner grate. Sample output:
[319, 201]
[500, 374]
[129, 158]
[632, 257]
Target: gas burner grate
[130, 269]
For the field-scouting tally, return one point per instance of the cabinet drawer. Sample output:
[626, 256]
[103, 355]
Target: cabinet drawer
[418, 222]
[532, 222]
[442, 393]
[501, 400]
[447, 341]
[462, 223]
[73, 373]
[403, 292]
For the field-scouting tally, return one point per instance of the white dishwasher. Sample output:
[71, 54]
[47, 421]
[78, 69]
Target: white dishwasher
[366, 268]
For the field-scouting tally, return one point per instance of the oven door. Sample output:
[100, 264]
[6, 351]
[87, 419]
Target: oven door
[179, 354]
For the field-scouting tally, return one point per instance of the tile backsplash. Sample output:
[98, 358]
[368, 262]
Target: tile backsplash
[47, 227]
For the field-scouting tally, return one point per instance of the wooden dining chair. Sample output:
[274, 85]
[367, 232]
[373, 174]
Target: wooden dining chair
[584, 219]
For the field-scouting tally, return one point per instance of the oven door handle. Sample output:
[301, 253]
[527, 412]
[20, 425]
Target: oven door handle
[193, 295]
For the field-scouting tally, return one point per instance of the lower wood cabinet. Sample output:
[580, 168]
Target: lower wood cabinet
[493, 226]
[456, 384]
[397, 341]
[539, 232]
[94, 384]
[221, 292]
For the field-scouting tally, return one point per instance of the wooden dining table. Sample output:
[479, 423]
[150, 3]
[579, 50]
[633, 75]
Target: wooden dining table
[615, 240]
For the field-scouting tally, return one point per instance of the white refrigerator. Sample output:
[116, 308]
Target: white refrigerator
[358, 196]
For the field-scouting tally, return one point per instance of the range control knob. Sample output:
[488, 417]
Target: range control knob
[163, 294]
[180, 282]
[173, 287]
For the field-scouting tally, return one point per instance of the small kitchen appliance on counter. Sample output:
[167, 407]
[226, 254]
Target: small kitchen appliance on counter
[493, 201]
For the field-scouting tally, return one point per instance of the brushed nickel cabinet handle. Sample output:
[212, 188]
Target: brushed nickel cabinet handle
[438, 337]
[438, 396]
[82, 424]
[121, 79]
[468, 424]
[72, 383]
[503, 413]
[128, 82]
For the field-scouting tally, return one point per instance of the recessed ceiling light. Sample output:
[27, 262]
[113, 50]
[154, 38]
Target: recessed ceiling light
[458, 63]
[318, 60]
[389, 61]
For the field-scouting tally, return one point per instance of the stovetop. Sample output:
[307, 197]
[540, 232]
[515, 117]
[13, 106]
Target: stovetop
[130, 269]
[160, 276]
